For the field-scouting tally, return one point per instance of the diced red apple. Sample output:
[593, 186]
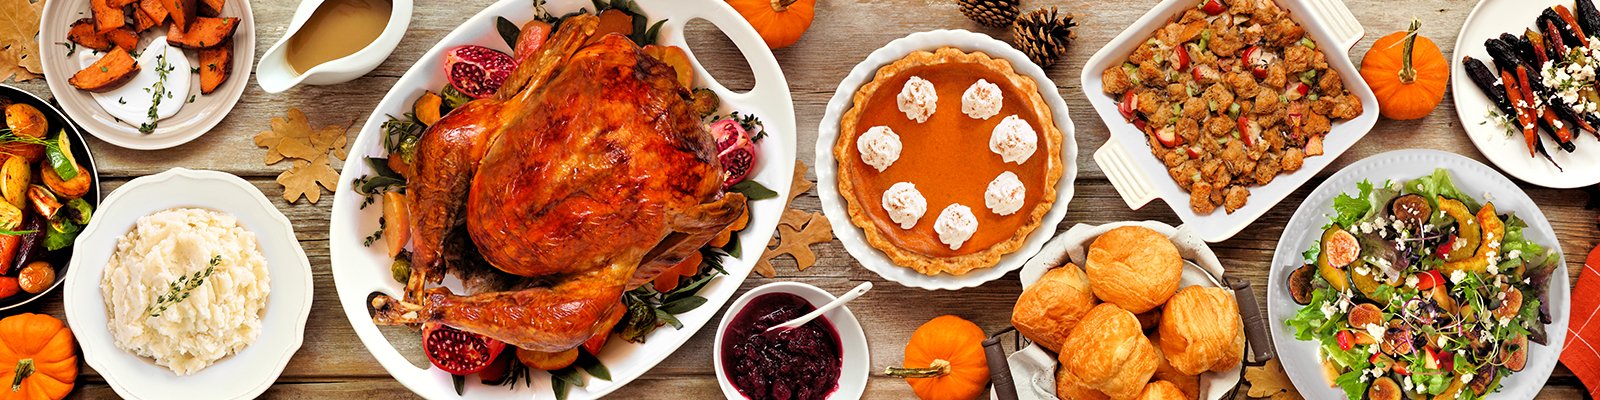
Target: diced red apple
[1129, 105]
[1168, 136]
[1259, 59]
[1294, 121]
[1296, 90]
[1212, 7]
[1194, 151]
[1205, 74]
[1249, 131]
[1181, 58]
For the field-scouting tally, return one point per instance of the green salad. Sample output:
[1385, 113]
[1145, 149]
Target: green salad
[1416, 290]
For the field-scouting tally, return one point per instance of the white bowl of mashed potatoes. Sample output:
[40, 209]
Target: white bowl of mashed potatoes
[188, 282]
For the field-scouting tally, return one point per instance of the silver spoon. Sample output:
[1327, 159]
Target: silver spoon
[797, 322]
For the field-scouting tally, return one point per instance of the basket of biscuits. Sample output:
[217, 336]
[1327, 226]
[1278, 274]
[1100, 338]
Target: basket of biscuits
[1128, 310]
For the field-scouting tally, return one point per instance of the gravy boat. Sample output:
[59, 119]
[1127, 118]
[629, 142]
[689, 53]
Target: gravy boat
[274, 73]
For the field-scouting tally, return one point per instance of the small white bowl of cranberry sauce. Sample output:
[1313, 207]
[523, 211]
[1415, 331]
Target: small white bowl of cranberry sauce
[823, 359]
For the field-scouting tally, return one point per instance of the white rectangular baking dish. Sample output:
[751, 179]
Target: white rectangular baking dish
[1139, 177]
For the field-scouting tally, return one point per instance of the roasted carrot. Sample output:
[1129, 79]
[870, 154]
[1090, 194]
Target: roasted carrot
[210, 8]
[1572, 21]
[205, 32]
[154, 10]
[1536, 41]
[181, 11]
[8, 251]
[112, 70]
[106, 16]
[1525, 122]
[215, 64]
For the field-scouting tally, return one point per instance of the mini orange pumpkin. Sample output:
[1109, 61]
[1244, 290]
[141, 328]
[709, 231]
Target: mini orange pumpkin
[780, 22]
[37, 357]
[1407, 73]
[945, 360]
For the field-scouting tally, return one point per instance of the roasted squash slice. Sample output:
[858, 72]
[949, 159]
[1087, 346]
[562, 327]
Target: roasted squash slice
[1494, 230]
[106, 16]
[215, 64]
[182, 13]
[111, 71]
[427, 108]
[203, 33]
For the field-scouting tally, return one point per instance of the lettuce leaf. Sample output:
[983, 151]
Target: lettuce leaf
[1439, 184]
[1350, 209]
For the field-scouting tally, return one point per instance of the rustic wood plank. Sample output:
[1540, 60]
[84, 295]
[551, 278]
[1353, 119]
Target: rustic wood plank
[334, 363]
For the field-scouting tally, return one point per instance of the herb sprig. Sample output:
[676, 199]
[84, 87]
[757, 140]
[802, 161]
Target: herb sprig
[179, 289]
[157, 92]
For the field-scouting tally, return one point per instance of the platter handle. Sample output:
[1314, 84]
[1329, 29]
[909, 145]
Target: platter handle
[1342, 24]
[1255, 327]
[769, 79]
[1118, 166]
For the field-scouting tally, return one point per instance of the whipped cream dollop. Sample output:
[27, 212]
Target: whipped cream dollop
[981, 100]
[918, 99]
[904, 204]
[955, 225]
[1014, 140]
[879, 147]
[1005, 193]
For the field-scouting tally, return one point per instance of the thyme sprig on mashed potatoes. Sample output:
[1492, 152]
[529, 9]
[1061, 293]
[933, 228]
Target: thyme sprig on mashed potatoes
[179, 289]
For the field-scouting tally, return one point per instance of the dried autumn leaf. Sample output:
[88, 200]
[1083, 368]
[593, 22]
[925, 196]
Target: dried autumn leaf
[1270, 381]
[796, 242]
[304, 178]
[19, 52]
[799, 185]
[292, 137]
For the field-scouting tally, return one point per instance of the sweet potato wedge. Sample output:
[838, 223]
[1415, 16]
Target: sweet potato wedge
[181, 11]
[205, 32]
[121, 3]
[215, 64]
[113, 70]
[141, 21]
[84, 34]
[154, 10]
[210, 8]
[106, 16]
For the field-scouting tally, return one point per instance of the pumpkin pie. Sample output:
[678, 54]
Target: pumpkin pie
[948, 160]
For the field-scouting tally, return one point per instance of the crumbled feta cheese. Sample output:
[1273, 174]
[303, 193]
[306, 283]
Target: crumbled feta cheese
[1328, 311]
[1456, 277]
[1515, 253]
[1494, 269]
[1372, 349]
[1411, 281]
[1504, 321]
[1363, 270]
[1442, 340]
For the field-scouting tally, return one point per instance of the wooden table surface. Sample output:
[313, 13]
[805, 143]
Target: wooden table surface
[334, 363]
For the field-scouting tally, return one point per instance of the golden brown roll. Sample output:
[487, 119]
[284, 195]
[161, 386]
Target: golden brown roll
[1162, 390]
[1047, 311]
[1134, 267]
[1069, 388]
[1188, 384]
[1109, 353]
[1201, 331]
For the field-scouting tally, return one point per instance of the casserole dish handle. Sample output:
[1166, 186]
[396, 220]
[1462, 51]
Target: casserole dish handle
[1114, 161]
[1341, 23]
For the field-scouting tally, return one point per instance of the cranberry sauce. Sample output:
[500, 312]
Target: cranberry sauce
[801, 363]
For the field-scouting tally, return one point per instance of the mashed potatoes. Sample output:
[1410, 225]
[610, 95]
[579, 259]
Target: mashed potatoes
[155, 307]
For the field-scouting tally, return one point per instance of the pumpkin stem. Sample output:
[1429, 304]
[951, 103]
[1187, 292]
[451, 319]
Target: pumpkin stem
[1407, 73]
[782, 5]
[935, 369]
[24, 369]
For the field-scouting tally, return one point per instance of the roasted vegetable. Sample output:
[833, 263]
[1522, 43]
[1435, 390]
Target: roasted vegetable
[427, 108]
[83, 33]
[1580, 35]
[182, 13]
[204, 32]
[31, 247]
[106, 16]
[111, 71]
[154, 10]
[215, 64]
[15, 177]
[26, 121]
[210, 8]
[44, 202]
[71, 188]
[36, 277]
[1300, 284]
[1588, 17]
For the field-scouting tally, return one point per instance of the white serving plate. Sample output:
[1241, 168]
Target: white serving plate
[852, 339]
[360, 270]
[1299, 358]
[243, 375]
[1034, 369]
[833, 205]
[194, 120]
[1140, 178]
[1489, 19]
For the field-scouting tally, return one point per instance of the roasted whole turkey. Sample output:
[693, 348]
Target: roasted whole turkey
[586, 173]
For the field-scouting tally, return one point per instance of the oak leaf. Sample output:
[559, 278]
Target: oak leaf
[1269, 381]
[304, 178]
[796, 242]
[19, 52]
[292, 137]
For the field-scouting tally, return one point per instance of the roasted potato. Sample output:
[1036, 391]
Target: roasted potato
[25, 120]
[14, 180]
[69, 189]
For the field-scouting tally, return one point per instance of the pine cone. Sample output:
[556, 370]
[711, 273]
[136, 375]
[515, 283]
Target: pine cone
[1043, 35]
[990, 13]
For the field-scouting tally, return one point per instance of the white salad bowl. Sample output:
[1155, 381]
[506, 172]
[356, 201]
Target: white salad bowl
[1140, 178]
[833, 204]
[852, 339]
[1300, 358]
[361, 270]
[243, 375]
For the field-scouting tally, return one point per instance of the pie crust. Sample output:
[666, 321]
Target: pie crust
[1044, 167]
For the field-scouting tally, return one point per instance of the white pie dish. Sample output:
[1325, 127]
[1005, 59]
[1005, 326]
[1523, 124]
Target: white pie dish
[1299, 357]
[360, 270]
[1033, 368]
[243, 375]
[194, 120]
[1140, 178]
[1489, 19]
[854, 239]
[852, 339]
